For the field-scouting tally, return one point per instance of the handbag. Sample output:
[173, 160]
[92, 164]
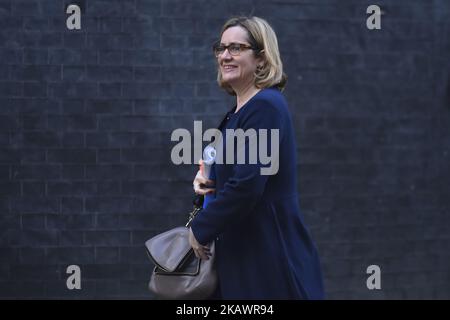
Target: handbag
[178, 273]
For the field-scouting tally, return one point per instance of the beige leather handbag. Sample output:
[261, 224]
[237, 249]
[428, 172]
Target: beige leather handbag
[178, 274]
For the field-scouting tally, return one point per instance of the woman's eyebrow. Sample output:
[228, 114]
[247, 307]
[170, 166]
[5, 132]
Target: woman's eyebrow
[232, 42]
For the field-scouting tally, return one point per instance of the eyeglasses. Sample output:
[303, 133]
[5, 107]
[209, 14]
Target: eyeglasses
[234, 49]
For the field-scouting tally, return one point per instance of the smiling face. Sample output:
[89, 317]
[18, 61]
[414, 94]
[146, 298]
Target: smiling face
[237, 71]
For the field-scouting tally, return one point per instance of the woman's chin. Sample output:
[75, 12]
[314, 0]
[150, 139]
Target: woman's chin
[229, 80]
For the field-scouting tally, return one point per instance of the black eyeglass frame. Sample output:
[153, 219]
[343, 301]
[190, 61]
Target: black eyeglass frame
[241, 47]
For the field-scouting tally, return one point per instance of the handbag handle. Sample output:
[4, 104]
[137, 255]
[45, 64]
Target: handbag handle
[198, 206]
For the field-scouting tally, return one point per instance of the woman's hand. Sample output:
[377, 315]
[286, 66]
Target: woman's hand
[201, 252]
[201, 183]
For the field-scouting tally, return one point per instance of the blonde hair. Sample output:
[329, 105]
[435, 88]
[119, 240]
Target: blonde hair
[262, 37]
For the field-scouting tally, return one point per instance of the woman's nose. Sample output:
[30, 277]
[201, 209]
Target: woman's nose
[225, 55]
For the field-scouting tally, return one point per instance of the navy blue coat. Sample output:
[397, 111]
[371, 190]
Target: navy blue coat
[263, 248]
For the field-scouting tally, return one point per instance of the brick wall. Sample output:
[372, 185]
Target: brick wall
[86, 117]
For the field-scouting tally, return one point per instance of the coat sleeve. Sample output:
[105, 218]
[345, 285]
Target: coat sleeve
[243, 190]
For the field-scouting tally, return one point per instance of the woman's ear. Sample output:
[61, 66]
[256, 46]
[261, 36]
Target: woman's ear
[261, 58]
[261, 62]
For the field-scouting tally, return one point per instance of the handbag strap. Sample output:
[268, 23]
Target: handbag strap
[198, 206]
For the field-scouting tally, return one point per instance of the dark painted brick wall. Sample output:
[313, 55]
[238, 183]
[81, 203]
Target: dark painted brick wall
[86, 118]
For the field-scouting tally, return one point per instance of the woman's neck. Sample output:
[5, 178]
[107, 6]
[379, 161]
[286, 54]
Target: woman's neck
[245, 94]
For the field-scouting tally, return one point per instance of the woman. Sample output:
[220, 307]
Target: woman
[263, 249]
